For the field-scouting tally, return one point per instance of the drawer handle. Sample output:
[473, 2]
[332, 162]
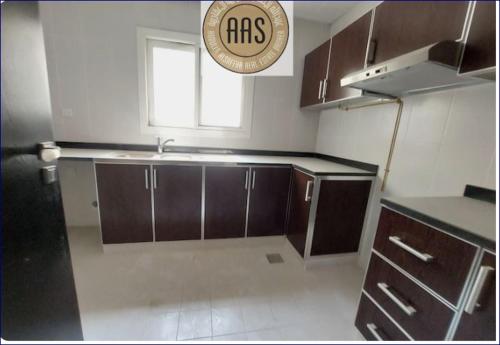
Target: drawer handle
[422, 256]
[472, 303]
[373, 330]
[408, 309]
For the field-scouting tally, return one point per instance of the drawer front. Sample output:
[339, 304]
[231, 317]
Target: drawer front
[374, 325]
[413, 308]
[438, 260]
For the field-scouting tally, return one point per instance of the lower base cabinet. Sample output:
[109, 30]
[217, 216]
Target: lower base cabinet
[340, 215]
[268, 202]
[300, 204]
[124, 199]
[226, 190]
[177, 202]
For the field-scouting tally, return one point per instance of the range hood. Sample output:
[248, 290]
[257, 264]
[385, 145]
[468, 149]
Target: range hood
[423, 70]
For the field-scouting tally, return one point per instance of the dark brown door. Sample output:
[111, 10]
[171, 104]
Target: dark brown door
[268, 201]
[38, 288]
[347, 55]
[481, 43]
[225, 201]
[340, 216]
[300, 204]
[480, 324]
[177, 194]
[315, 68]
[124, 198]
[403, 26]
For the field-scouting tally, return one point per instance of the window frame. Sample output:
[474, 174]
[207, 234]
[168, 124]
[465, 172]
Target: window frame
[145, 89]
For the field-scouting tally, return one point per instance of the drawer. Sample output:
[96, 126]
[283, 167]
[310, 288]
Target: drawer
[418, 312]
[440, 261]
[373, 323]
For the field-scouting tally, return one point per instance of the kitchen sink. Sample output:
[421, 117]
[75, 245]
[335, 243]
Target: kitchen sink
[137, 155]
[175, 156]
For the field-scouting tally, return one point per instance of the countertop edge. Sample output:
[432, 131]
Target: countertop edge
[442, 225]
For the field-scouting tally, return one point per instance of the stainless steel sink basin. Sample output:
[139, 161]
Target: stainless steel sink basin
[175, 156]
[140, 155]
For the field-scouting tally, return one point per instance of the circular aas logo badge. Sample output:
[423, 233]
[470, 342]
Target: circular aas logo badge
[245, 36]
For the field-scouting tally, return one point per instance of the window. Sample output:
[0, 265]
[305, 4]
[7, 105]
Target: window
[182, 90]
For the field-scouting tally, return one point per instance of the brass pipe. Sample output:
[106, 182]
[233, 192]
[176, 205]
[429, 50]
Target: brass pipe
[372, 104]
[393, 144]
[394, 134]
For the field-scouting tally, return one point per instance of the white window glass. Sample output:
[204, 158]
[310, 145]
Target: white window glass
[171, 84]
[221, 95]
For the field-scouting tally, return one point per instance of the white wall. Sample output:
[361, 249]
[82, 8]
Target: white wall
[92, 63]
[445, 141]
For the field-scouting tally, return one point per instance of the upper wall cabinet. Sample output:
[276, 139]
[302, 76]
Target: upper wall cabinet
[479, 53]
[401, 27]
[315, 70]
[347, 55]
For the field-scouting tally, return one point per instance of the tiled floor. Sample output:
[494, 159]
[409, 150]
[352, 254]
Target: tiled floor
[211, 290]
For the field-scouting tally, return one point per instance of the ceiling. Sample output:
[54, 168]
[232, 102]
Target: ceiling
[322, 11]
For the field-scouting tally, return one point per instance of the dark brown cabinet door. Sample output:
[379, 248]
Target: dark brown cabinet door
[225, 201]
[403, 26]
[339, 216]
[268, 201]
[124, 203]
[347, 55]
[300, 204]
[480, 49]
[177, 195]
[479, 323]
[315, 68]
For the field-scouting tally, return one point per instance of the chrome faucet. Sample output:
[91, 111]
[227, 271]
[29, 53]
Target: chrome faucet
[161, 144]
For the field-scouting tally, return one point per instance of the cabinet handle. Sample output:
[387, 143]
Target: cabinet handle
[320, 91]
[246, 180]
[373, 330]
[155, 182]
[422, 256]
[146, 179]
[308, 187]
[472, 302]
[253, 180]
[408, 309]
[325, 86]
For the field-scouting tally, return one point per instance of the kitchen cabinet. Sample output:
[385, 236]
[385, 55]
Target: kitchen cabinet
[124, 199]
[400, 27]
[479, 52]
[314, 74]
[347, 55]
[340, 216]
[177, 202]
[226, 193]
[267, 208]
[478, 320]
[300, 204]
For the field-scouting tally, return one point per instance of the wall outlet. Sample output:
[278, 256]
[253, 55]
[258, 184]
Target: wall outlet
[67, 112]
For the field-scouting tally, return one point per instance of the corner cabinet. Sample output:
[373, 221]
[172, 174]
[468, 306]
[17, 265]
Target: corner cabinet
[124, 199]
[327, 213]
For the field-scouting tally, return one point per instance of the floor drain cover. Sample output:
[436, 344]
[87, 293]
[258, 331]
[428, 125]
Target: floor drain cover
[274, 258]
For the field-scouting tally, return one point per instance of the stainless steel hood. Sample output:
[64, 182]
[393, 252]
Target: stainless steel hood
[423, 70]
